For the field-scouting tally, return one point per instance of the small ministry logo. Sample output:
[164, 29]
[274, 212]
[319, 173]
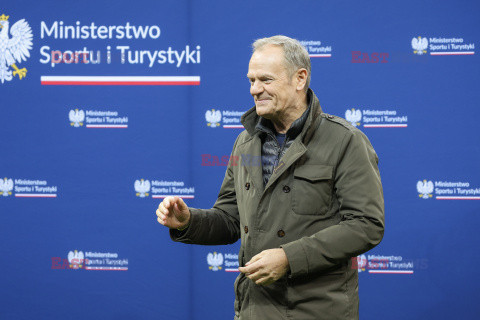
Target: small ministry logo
[215, 261]
[441, 46]
[142, 187]
[15, 49]
[228, 261]
[228, 119]
[419, 45]
[76, 117]
[317, 49]
[159, 189]
[95, 119]
[6, 187]
[425, 189]
[88, 260]
[353, 116]
[213, 118]
[374, 118]
[28, 188]
[447, 190]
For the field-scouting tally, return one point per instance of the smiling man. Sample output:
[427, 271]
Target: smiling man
[314, 203]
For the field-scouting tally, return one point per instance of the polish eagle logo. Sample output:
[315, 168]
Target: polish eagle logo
[6, 187]
[142, 187]
[215, 260]
[213, 118]
[419, 45]
[76, 117]
[425, 189]
[353, 116]
[15, 49]
[362, 262]
[76, 259]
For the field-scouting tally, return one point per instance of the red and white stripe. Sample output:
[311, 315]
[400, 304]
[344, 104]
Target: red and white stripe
[452, 53]
[107, 126]
[35, 195]
[392, 271]
[120, 80]
[161, 196]
[233, 126]
[385, 125]
[320, 55]
[456, 198]
[107, 268]
[231, 270]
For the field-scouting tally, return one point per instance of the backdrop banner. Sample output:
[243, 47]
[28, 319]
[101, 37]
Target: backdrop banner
[108, 107]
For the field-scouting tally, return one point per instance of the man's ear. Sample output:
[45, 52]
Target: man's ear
[301, 78]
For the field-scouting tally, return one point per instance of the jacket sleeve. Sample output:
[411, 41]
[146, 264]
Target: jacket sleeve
[218, 225]
[359, 192]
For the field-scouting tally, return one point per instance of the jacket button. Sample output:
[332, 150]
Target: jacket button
[247, 185]
[245, 229]
[286, 189]
[281, 233]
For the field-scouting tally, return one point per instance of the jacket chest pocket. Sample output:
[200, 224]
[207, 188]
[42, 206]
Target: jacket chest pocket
[312, 189]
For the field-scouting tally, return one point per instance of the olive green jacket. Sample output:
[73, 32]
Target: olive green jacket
[323, 205]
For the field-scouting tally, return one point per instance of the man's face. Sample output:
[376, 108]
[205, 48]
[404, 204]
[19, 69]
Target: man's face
[270, 84]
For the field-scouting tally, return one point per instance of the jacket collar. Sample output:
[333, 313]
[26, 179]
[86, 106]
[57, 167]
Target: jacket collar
[254, 123]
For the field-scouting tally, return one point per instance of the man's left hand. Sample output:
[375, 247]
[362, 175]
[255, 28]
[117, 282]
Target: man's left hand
[266, 267]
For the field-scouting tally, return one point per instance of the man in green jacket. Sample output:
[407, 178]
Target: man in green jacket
[305, 198]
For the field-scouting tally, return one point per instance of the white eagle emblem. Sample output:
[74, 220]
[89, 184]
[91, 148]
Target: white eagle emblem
[425, 189]
[6, 187]
[419, 45]
[76, 259]
[15, 49]
[353, 116]
[76, 117]
[142, 187]
[361, 262]
[213, 118]
[215, 260]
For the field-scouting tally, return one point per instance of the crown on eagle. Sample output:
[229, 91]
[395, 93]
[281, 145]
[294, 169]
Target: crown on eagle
[3, 17]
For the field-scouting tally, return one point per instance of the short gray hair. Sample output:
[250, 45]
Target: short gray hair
[296, 55]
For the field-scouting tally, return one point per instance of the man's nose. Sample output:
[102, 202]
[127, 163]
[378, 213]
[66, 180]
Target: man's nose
[256, 88]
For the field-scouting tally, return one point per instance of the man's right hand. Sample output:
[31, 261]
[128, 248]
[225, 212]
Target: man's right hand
[173, 213]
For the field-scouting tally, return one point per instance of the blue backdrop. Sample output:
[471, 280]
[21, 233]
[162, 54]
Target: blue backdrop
[85, 160]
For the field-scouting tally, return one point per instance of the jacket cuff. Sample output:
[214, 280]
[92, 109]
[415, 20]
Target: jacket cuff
[297, 258]
[188, 234]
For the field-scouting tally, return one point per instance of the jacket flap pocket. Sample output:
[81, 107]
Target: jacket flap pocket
[314, 172]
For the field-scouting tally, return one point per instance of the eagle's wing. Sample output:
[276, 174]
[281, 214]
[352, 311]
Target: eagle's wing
[429, 187]
[146, 185]
[348, 114]
[219, 258]
[3, 185]
[358, 115]
[81, 115]
[415, 44]
[209, 116]
[137, 186]
[424, 44]
[218, 116]
[210, 259]
[70, 256]
[71, 115]
[420, 187]
[9, 185]
[21, 41]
